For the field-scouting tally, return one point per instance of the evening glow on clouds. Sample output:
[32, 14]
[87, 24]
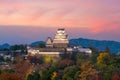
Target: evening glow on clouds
[96, 16]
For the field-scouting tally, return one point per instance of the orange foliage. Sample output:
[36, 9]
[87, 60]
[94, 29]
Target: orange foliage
[115, 77]
[10, 76]
[64, 63]
[23, 68]
[89, 72]
[54, 75]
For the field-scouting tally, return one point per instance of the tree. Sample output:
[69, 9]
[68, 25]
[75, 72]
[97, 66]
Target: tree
[35, 60]
[115, 67]
[69, 73]
[93, 57]
[1, 58]
[107, 50]
[22, 48]
[48, 73]
[65, 63]
[115, 77]
[94, 50]
[23, 68]
[30, 77]
[47, 59]
[105, 64]
[41, 45]
[8, 60]
[44, 75]
[88, 72]
[77, 75]
[9, 70]
[103, 60]
[81, 58]
[36, 76]
[54, 76]
[0, 71]
[10, 76]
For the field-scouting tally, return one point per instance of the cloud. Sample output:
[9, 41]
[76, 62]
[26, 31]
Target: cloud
[79, 13]
[99, 19]
[111, 27]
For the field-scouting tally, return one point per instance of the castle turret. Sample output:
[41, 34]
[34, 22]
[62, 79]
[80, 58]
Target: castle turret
[49, 43]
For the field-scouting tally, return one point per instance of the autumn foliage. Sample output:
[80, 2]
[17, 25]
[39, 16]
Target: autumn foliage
[10, 76]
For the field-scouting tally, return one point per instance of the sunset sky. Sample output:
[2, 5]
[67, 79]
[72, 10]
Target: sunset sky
[25, 21]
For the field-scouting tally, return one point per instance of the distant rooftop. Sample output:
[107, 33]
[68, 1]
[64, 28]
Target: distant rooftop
[61, 29]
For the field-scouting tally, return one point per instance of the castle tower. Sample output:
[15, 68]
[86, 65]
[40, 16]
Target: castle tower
[61, 39]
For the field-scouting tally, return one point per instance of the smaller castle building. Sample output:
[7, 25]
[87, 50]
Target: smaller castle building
[49, 42]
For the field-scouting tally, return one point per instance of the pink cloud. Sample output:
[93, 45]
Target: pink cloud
[112, 27]
[80, 13]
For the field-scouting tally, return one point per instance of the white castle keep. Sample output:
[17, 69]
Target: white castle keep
[60, 40]
[57, 46]
[54, 47]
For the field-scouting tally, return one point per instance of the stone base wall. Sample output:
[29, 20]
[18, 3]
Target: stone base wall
[52, 50]
[50, 54]
[60, 45]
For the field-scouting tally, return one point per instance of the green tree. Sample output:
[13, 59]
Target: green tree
[103, 60]
[11, 70]
[41, 45]
[30, 77]
[69, 73]
[47, 73]
[104, 64]
[36, 76]
[94, 55]
[0, 71]
[1, 58]
[81, 58]
[115, 67]
[44, 75]
[22, 48]
[8, 60]
[77, 75]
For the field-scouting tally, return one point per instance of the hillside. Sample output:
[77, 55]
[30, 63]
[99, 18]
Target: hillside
[6, 45]
[37, 43]
[100, 45]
